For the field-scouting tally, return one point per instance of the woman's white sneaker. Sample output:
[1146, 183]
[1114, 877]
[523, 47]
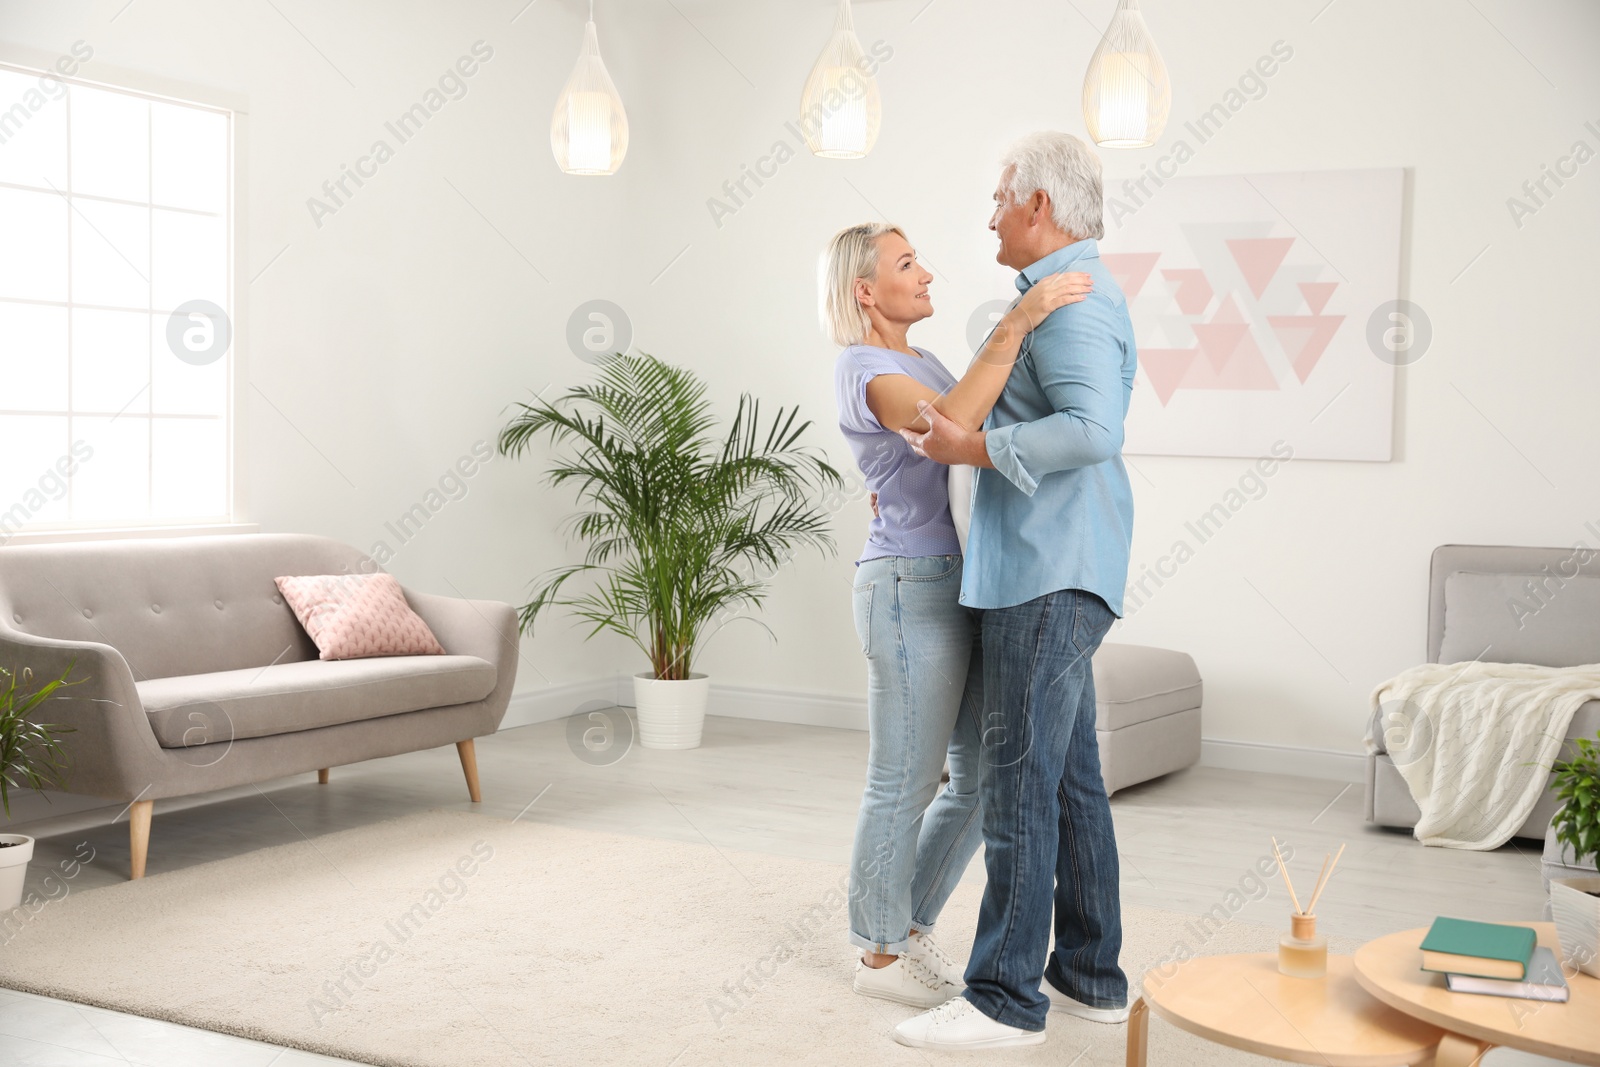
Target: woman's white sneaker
[957, 1024]
[1059, 1001]
[905, 981]
[922, 947]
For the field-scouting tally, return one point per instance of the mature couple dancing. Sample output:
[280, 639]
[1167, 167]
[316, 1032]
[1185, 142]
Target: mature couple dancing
[984, 659]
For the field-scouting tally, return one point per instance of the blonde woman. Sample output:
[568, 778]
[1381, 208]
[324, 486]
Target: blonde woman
[913, 841]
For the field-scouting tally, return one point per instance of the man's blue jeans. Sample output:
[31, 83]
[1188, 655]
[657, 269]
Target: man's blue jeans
[1046, 820]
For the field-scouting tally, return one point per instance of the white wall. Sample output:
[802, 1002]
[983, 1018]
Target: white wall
[1340, 549]
[392, 337]
[380, 346]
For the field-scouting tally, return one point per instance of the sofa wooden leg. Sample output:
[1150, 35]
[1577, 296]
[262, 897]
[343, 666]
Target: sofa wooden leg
[139, 813]
[469, 767]
[322, 776]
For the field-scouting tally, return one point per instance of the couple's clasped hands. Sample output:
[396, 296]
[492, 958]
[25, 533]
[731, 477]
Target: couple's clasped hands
[947, 441]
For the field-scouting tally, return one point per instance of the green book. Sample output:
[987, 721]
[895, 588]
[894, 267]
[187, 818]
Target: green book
[1482, 950]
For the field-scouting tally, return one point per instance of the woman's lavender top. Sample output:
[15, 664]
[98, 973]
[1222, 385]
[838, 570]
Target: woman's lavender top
[913, 492]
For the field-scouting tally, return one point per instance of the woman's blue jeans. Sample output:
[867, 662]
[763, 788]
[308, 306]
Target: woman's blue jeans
[924, 695]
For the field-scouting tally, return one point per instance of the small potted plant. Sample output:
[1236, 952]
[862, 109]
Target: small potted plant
[1575, 901]
[681, 520]
[31, 757]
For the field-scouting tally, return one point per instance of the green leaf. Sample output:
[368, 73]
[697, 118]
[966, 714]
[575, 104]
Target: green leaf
[1577, 784]
[31, 753]
[683, 530]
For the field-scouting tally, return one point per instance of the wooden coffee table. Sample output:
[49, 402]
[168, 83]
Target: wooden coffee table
[1244, 1003]
[1390, 969]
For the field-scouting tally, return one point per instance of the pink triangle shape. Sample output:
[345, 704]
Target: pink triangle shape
[1317, 294]
[1259, 259]
[1305, 338]
[1294, 337]
[1130, 269]
[1193, 291]
[1218, 340]
[1164, 368]
[1228, 311]
[1246, 370]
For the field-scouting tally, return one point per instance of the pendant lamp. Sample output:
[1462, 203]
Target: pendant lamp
[589, 130]
[839, 108]
[1126, 94]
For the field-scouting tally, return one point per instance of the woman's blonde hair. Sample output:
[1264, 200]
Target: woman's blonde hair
[852, 254]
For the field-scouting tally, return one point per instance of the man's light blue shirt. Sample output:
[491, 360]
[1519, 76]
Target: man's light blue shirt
[1056, 512]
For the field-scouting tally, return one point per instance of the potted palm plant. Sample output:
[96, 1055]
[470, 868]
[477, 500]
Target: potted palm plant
[31, 757]
[1575, 901]
[677, 519]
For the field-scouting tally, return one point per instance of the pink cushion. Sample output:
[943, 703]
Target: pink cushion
[353, 616]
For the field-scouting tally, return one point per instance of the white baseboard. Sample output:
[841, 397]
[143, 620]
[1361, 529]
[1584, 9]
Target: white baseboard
[788, 705]
[733, 701]
[560, 701]
[1283, 759]
[801, 707]
[850, 713]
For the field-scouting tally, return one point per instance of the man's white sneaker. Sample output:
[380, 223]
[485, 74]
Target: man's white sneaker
[1059, 1001]
[922, 947]
[957, 1024]
[905, 981]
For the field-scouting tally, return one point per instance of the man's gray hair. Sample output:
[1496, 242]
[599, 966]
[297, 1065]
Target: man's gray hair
[1069, 173]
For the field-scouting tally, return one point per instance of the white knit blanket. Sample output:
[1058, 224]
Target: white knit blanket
[1474, 742]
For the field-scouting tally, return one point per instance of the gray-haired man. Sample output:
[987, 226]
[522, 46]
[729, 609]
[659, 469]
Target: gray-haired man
[1046, 563]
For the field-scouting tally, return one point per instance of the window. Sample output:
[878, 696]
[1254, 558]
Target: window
[116, 287]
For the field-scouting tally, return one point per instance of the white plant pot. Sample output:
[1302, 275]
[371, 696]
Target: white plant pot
[1577, 916]
[13, 869]
[670, 714]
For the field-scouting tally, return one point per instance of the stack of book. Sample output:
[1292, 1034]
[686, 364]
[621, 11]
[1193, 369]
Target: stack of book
[1493, 959]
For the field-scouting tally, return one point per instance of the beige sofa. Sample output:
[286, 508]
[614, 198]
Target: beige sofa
[199, 677]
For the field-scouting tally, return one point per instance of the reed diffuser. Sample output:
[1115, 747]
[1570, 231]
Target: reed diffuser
[1302, 952]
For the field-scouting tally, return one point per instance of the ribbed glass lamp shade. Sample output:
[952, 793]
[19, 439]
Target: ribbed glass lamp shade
[1126, 93]
[839, 108]
[589, 130]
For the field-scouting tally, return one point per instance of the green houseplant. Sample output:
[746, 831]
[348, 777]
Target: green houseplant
[678, 519]
[31, 757]
[1575, 901]
[1577, 785]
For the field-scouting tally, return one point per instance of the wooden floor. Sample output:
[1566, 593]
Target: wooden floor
[1185, 841]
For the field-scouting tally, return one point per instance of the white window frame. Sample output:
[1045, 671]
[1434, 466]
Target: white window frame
[34, 63]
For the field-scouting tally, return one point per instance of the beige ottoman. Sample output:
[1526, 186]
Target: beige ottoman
[1147, 713]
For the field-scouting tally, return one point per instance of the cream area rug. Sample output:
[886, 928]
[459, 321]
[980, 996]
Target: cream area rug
[449, 939]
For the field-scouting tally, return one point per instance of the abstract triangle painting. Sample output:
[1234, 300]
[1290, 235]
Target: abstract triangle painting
[1251, 298]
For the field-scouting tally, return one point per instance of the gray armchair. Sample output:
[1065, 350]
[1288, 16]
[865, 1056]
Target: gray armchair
[1473, 614]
